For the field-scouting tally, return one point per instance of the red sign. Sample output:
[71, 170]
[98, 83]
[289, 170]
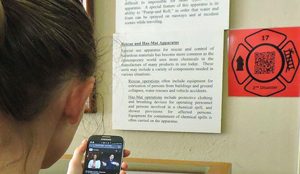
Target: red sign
[264, 62]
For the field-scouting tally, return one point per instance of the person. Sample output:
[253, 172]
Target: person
[111, 164]
[94, 163]
[47, 63]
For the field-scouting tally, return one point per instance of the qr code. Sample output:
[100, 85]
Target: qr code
[264, 62]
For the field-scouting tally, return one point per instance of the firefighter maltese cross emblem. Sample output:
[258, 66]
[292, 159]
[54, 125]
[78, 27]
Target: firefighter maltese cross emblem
[265, 62]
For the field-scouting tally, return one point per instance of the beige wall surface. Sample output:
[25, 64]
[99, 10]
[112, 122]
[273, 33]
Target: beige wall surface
[259, 135]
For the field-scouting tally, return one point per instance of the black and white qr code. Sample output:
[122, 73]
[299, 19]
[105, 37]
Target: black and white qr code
[264, 62]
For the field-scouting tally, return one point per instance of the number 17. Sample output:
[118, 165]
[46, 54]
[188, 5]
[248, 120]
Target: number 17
[265, 37]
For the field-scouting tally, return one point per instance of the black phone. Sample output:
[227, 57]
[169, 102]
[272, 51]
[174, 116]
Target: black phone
[104, 154]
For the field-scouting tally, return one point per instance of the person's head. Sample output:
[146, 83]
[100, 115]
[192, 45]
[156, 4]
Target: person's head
[111, 157]
[47, 61]
[95, 157]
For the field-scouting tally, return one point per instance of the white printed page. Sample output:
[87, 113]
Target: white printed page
[167, 83]
[171, 15]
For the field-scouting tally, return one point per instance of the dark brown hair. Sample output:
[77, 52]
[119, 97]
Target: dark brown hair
[43, 44]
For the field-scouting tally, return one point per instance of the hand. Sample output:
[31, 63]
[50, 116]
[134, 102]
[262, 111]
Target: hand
[124, 165]
[115, 163]
[104, 163]
[76, 164]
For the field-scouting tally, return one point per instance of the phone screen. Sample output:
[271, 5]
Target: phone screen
[103, 157]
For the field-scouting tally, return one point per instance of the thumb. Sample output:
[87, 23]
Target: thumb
[75, 165]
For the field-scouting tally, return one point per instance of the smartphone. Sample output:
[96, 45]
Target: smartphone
[104, 154]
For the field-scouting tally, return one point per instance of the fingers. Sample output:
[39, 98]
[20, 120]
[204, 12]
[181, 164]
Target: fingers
[79, 151]
[75, 164]
[126, 153]
[124, 166]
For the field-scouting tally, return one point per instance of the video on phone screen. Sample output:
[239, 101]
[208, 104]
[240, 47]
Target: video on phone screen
[103, 157]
